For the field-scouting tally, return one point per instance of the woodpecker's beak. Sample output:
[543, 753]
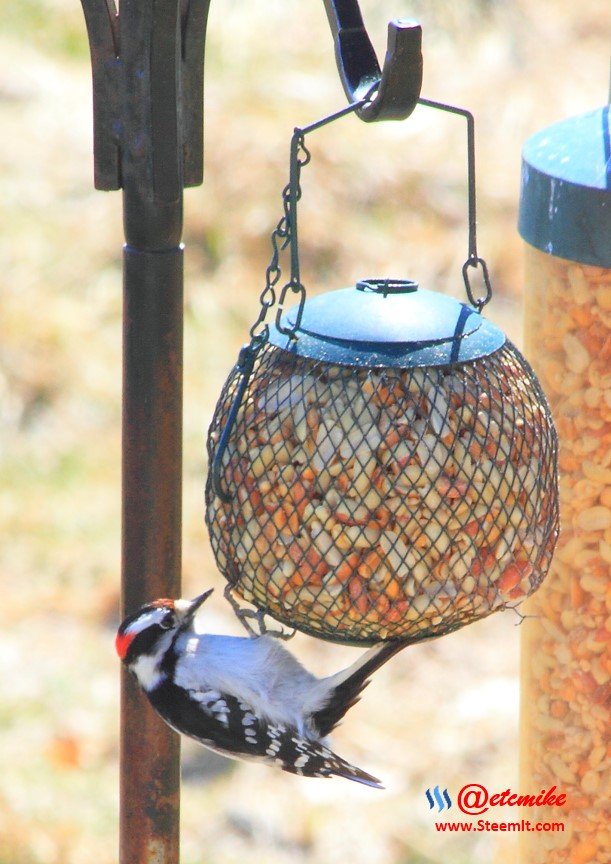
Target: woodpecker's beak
[193, 607]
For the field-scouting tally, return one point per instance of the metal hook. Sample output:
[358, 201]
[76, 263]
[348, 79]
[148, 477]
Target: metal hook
[400, 80]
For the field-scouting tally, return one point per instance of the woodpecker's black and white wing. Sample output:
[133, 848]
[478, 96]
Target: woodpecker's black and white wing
[222, 722]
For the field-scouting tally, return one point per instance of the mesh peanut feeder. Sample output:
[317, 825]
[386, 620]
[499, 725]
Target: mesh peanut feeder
[383, 460]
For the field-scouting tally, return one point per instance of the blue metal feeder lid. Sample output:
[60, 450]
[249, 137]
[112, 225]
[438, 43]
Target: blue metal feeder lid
[387, 322]
[565, 202]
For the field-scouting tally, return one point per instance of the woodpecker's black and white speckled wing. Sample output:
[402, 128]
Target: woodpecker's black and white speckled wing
[229, 726]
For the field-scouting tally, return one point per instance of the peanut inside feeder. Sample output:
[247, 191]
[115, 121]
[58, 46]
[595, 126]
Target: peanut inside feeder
[399, 483]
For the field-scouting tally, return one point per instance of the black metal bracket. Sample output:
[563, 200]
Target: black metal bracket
[148, 73]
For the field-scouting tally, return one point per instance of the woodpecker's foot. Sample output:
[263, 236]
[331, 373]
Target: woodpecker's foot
[277, 633]
[246, 616]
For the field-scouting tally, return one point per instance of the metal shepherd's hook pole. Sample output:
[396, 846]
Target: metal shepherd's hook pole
[147, 62]
[147, 91]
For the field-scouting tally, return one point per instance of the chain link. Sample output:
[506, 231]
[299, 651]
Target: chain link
[300, 156]
[303, 150]
[475, 262]
[281, 237]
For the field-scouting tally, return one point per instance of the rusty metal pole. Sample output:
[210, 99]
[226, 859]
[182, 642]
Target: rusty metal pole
[147, 86]
[151, 547]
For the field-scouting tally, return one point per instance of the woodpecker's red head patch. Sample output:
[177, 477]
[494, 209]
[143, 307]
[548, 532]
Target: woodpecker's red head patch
[122, 643]
[156, 616]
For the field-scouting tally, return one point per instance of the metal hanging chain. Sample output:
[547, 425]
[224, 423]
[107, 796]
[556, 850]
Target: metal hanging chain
[259, 334]
[279, 239]
[284, 233]
[299, 157]
[473, 259]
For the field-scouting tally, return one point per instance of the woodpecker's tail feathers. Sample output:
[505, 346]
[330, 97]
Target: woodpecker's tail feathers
[317, 760]
[351, 772]
[345, 687]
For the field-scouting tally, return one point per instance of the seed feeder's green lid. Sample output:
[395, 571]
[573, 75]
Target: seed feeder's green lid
[387, 322]
[565, 202]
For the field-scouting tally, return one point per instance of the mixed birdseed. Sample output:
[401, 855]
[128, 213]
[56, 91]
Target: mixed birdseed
[566, 665]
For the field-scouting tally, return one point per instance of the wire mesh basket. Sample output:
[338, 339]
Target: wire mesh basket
[388, 503]
[383, 462]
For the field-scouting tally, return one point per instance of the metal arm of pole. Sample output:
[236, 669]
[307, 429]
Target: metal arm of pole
[147, 64]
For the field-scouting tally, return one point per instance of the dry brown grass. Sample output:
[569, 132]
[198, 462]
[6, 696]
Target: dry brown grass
[376, 200]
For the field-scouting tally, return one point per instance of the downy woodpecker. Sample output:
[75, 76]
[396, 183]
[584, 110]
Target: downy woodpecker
[247, 698]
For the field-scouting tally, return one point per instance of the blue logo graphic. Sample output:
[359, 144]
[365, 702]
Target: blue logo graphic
[439, 797]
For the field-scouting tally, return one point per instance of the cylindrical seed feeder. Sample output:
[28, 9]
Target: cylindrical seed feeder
[565, 219]
[383, 464]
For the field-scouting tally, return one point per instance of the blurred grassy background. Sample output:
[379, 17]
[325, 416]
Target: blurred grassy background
[378, 200]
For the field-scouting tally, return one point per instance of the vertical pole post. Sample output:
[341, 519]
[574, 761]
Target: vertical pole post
[152, 404]
[147, 67]
[151, 545]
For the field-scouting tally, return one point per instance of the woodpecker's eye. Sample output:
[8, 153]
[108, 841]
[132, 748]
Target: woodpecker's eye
[168, 622]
